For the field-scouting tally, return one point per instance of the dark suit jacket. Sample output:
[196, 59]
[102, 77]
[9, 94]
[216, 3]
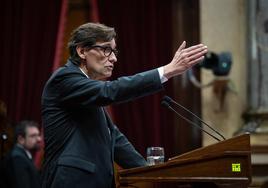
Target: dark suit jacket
[81, 142]
[19, 170]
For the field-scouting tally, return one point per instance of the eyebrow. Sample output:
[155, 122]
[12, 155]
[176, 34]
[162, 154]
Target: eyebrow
[108, 44]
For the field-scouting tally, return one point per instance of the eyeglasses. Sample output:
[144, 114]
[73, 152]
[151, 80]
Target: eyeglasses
[107, 50]
[33, 135]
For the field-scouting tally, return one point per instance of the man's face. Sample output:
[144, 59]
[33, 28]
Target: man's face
[99, 62]
[32, 139]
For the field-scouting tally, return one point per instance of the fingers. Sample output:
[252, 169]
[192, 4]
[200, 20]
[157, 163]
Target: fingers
[187, 57]
[196, 52]
[194, 47]
[188, 52]
[195, 61]
[182, 46]
[196, 58]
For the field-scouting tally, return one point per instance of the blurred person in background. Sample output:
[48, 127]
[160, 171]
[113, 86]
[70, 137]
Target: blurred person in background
[19, 169]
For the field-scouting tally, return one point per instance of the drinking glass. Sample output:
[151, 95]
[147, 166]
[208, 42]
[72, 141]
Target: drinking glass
[155, 155]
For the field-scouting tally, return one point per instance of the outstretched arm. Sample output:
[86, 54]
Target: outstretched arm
[184, 58]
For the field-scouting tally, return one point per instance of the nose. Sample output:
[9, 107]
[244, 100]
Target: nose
[39, 138]
[112, 58]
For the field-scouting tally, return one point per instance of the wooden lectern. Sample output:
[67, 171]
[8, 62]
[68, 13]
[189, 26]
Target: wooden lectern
[224, 164]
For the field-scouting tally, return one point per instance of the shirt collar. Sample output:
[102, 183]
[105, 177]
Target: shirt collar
[83, 72]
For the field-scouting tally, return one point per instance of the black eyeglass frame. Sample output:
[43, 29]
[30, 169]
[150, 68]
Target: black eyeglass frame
[107, 50]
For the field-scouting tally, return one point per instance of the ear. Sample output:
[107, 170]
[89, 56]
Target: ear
[81, 52]
[21, 140]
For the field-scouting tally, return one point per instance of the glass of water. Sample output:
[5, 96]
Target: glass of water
[155, 155]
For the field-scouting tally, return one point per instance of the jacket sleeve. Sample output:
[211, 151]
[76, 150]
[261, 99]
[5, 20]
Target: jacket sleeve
[125, 154]
[73, 88]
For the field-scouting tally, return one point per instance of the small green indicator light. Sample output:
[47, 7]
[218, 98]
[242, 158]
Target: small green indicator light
[236, 167]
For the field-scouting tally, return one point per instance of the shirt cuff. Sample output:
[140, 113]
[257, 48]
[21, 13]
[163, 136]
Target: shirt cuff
[161, 75]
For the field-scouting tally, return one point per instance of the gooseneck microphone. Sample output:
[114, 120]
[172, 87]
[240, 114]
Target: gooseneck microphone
[169, 100]
[166, 101]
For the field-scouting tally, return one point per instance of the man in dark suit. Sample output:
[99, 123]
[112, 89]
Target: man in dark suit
[19, 168]
[81, 141]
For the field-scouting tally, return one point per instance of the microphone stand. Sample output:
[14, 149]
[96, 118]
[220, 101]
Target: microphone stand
[164, 103]
[169, 100]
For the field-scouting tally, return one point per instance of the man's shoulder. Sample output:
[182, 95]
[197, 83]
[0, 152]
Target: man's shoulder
[68, 69]
[17, 152]
[15, 155]
[64, 72]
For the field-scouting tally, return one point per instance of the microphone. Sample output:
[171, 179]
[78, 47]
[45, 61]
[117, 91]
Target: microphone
[169, 100]
[166, 102]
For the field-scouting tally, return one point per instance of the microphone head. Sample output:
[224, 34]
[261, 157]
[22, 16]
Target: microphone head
[165, 103]
[167, 99]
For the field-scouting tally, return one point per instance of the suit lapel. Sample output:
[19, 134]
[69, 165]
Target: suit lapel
[111, 128]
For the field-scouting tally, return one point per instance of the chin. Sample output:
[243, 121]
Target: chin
[105, 77]
[108, 75]
[35, 149]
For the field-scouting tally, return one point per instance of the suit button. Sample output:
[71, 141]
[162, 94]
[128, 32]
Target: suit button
[111, 173]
